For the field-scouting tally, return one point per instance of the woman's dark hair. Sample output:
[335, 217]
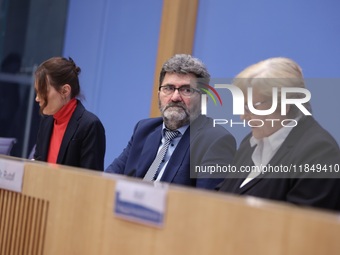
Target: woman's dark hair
[57, 71]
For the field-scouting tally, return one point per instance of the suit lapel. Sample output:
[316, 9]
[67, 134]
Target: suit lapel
[177, 158]
[182, 151]
[71, 129]
[196, 126]
[246, 161]
[149, 151]
[290, 141]
[277, 158]
[286, 146]
[249, 185]
[45, 142]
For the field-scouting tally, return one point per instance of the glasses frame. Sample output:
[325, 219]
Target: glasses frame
[246, 108]
[193, 90]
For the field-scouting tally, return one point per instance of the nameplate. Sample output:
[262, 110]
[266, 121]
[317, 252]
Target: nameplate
[141, 203]
[11, 175]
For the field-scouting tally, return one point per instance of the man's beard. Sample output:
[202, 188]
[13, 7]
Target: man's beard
[176, 115]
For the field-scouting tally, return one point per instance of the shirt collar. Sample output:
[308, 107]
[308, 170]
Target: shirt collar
[181, 129]
[274, 140]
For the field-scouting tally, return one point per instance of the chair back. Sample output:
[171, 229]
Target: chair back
[31, 155]
[6, 144]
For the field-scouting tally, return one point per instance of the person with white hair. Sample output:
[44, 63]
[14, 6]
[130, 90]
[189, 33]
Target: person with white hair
[287, 156]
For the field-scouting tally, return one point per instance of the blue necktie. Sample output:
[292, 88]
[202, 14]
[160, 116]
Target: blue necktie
[151, 174]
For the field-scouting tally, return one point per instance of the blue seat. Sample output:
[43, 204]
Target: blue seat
[6, 144]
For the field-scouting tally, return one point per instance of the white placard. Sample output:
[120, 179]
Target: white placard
[140, 202]
[11, 174]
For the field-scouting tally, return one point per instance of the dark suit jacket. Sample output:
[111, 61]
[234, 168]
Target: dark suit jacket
[208, 145]
[83, 144]
[308, 143]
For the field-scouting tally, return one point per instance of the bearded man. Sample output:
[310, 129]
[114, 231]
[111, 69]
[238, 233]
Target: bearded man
[173, 147]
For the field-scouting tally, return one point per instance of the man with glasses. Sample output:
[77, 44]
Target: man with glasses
[171, 148]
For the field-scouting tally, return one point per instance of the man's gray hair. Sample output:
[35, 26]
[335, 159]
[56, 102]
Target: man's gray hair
[185, 64]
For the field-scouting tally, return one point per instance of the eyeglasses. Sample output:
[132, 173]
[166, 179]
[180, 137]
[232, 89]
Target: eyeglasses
[184, 90]
[246, 108]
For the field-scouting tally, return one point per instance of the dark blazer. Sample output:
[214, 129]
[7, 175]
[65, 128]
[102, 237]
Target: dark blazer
[83, 144]
[209, 146]
[308, 143]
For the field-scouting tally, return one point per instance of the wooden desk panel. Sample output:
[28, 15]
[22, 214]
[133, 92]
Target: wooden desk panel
[79, 220]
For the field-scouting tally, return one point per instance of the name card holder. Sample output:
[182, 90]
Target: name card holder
[11, 174]
[140, 202]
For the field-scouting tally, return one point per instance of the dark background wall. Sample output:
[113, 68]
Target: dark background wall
[33, 30]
